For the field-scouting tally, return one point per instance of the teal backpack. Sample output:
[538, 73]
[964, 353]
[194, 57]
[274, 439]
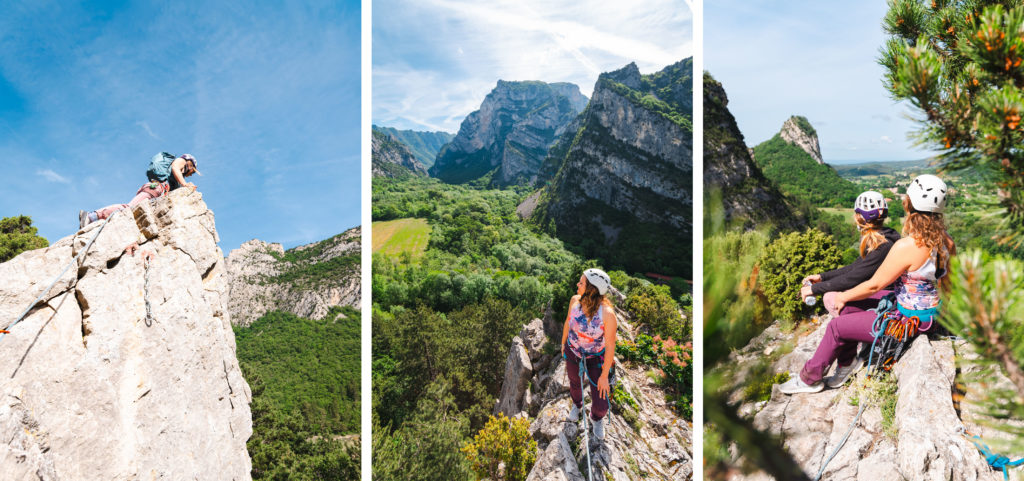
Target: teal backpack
[160, 167]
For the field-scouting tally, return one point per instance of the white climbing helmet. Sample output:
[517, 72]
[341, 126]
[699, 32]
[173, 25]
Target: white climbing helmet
[927, 194]
[598, 279]
[871, 205]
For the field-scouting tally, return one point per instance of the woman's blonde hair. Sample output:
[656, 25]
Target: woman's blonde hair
[929, 230]
[591, 300]
[870, 233]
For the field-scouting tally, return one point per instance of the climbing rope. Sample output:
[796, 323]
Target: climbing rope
[149, 308]
[7, 330]
[586, 416]
[996, 461]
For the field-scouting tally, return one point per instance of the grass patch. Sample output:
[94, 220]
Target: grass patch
[394, 237]
[880, 391]
[759, 385]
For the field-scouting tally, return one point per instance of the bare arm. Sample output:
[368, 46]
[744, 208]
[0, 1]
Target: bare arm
[565, 328]
[610, 331]
[178, 171]
[902, 255]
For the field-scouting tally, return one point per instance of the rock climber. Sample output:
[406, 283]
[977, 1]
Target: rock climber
[870, 212]
[917, 264]
[589, 333]
[165, 173]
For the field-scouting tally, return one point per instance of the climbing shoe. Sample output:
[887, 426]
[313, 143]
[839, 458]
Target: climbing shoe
[842, 373]
[599, 428]
[796, 385]
[83, 219]
[574, 413]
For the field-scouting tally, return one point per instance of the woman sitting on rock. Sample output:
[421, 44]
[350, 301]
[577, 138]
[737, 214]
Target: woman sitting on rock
[916, 263]
[589, 333]
[870, 212]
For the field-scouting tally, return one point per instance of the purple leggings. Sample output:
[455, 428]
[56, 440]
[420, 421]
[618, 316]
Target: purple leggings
[598, 405]
[853, 326]
[146, 192]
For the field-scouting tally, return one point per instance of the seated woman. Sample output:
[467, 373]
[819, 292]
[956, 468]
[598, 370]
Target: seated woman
[916, 263]
[589, 335]
[870, 212]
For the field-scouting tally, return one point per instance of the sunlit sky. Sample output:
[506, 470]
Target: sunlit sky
[266, 96]
[434, 61]
[816, 59]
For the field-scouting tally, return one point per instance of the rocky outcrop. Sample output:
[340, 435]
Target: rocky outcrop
[511, 133]
[423, 145]
[92, 388]
[799, 132]
[731, 178]
[391, 158]
[655, 445]
[306, 281]
[624, 176]
[918, 438]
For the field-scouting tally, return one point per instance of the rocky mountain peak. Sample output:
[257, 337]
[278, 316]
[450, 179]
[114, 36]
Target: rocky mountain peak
[509, 136]
[306, 280]
[392, 158]
[92, 387]
[628, 76]
[536, 385]
[798, 131]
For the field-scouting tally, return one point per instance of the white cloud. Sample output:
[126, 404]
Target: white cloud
[886, 139]
[149, 131]
[52, 176]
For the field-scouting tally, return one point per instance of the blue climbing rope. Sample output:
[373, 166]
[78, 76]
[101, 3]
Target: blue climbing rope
[996, 461]
[6, 330]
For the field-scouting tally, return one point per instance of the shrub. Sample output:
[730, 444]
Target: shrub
[787, 260]
[17, 235]
[502, 441]
[669, 358]
[654, 307]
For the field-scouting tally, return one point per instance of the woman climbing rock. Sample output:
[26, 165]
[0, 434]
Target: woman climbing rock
[589, 334]
[870, 212]
[165, 173]
[917, 264]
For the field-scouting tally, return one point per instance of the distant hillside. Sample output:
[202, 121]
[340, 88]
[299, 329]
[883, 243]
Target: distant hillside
[390, 157]
[791, 159]
[422, 144]
[851, 171]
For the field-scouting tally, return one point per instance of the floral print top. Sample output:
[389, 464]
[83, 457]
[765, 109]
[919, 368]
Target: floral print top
[918, 290]
[585, 335]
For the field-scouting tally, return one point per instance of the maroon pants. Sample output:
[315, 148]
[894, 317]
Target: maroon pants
[598, 405]
[842, 336]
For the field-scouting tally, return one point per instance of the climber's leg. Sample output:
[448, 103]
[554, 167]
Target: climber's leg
[106, 211]
[840, 342]
[572, 368]
[865, 304]
[598, 405]
[149, 190]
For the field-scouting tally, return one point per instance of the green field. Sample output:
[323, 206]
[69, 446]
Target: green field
[845, 212]
[393, 237]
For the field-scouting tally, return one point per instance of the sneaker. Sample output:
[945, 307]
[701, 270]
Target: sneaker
[83, 219]
[574, 413]
[842, 373]
[796, 385]
[599, 428]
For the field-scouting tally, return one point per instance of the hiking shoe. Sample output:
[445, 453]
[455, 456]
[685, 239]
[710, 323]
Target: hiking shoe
[599, 428]
[796, 385]
[574, 413]
[838, 378]
[83, 219]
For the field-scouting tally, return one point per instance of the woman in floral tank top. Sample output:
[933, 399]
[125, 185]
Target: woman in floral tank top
[917, 264]
[589, 334]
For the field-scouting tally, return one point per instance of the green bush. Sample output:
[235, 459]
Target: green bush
[654, 308]
[787, 260]
[17, 235]
[502, 450]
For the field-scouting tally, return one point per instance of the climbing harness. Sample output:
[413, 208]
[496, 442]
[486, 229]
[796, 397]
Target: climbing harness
[6, 330]
[149, 308]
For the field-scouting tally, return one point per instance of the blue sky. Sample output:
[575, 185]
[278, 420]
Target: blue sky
[434, 61]
[266, 97]
[816, 59]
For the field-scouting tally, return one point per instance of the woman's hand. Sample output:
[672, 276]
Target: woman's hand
[805, 292]
[602, 386]
[840, 301]
[813, 279]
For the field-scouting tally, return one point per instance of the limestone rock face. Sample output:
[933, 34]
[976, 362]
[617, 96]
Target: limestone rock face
[731, 177]
[391, 158]
[656, 447]
[306, 281]
[90, 388]
[927, 444]
[510, 134]
[798, 131]
[627, 167]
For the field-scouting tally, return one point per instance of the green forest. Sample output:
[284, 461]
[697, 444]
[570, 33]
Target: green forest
[304, 376]
[443, 320]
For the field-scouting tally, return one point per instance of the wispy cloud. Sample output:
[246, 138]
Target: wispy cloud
[52, 176]
[149, 131]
